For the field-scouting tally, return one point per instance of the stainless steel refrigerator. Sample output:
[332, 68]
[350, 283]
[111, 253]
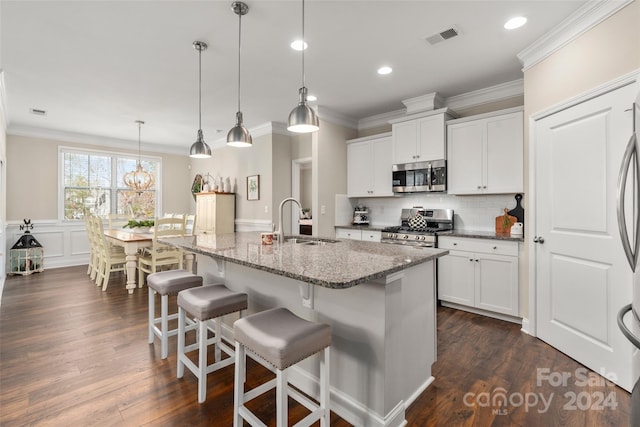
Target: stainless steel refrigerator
[629, 225]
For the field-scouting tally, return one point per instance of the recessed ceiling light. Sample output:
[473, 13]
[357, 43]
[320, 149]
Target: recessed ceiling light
[312, 98]
[385, 70]
[299, 45]
[516, 22]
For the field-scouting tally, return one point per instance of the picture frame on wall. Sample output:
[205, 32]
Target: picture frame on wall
[253, 187]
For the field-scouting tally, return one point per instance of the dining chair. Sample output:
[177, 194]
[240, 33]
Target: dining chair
[112, 258]
[189, 224]
[159, 256]
[94, 251]
[118, 220]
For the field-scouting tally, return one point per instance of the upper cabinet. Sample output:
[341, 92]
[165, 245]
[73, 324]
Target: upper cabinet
[369, 166]
[485, 153]
[420, 137]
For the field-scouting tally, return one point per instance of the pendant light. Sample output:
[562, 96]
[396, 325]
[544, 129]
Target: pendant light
[302, 118]
[200, 149]
[139, 180]
[239, 135]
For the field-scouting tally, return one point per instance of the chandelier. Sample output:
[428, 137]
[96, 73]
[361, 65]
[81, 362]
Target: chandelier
[139, 180]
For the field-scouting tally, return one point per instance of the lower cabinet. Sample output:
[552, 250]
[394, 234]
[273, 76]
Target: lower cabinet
[479, 273]
[355, 234]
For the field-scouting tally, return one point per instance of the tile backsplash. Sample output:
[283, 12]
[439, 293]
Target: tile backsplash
[470, 212]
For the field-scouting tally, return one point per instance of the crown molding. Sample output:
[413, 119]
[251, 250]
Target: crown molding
[484, 96]
[458, 102]
[582, 20]
[339, 119]
[380, 119]
[101, 141]
[428, 102]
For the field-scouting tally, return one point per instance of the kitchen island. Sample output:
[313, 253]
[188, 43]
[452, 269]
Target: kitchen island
[378, 298]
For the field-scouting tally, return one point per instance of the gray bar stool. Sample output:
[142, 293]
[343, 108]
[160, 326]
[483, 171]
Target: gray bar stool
[166, 283]
[209, 302]
[282, 339]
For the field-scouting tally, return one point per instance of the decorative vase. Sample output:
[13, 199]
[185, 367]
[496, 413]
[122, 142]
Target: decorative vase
[227, 185]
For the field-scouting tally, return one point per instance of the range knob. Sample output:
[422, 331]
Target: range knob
[406, 236]
[417, 237]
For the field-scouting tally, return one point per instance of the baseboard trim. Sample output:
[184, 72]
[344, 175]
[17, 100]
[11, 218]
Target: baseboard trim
[487, 313]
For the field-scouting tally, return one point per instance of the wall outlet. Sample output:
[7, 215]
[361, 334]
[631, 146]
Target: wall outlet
[323, 209]
[266, 208]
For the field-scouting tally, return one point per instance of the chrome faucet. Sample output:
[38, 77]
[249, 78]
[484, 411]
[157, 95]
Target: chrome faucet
[280, 231]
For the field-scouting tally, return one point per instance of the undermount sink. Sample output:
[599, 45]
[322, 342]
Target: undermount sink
[312, 242]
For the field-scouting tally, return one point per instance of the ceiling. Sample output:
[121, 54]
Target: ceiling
[96, 67]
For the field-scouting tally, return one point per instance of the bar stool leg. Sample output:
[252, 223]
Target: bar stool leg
[165, 325]
[282, 410]
[202, 361]
[238, 388]
[152, 314]
[324, 387]
[181, 331]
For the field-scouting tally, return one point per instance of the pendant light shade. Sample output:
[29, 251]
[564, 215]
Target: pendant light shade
[302, 118]
[200, 149]
[138, 180]
[239, 135]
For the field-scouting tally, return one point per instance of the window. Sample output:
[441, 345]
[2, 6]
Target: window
[92, 183]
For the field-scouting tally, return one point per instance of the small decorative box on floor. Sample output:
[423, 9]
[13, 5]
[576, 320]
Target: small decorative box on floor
[26, 255]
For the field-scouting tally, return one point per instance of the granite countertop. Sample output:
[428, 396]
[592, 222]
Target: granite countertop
[483, 235]
[338, 265]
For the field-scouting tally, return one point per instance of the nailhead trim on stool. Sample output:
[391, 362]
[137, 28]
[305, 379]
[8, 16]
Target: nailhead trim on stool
[209, 302]
[282, 339]
[166, 283]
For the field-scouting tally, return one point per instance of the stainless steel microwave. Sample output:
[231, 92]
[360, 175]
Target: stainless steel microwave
[420, 177]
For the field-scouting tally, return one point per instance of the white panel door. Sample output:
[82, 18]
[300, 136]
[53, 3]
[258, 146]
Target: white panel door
[582, 276]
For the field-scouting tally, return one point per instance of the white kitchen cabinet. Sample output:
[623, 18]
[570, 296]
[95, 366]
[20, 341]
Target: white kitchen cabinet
[354, 234]
[369, 166]
[420, 138]
[485, 153]
[479, 273]
[215, 212]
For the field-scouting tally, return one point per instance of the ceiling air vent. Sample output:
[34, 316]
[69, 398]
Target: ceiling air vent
[38, 112]
[442, 35]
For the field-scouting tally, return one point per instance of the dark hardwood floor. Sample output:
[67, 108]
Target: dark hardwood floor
[71, 355]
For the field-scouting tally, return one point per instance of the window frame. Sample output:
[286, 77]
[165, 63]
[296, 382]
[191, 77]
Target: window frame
[115, 155]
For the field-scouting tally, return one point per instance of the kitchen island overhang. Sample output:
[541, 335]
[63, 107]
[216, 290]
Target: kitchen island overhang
[380, 300]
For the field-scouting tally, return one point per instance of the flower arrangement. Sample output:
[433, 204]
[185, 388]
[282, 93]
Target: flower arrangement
[139, 223]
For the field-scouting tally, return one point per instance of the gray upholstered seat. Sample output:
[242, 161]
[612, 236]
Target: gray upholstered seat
[166, 283]
[173, 281]
[206, 304]
[211, 301]
[280, 337]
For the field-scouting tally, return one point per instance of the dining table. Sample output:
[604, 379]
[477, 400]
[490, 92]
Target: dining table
[132, 243]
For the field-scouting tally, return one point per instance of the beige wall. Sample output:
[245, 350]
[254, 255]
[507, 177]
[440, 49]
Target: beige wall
[306, 188]
[607, 51]
[238, 164]
[32, 178]
[329, 173]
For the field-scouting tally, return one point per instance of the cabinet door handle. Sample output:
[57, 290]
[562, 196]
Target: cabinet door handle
[495, 247]
[538, 239]
[455, 244]
[477, 260]
[471, 259]
[479, 187]
[484, 186]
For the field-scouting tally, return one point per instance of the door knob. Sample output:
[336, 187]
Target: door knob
[538, 239]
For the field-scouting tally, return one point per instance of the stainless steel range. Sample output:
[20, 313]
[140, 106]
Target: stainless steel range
[419, 227]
